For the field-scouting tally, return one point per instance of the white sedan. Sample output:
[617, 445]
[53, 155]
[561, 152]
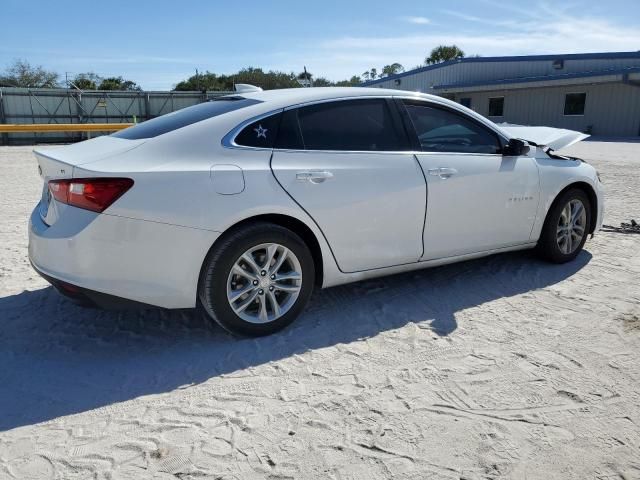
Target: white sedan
[243, 204]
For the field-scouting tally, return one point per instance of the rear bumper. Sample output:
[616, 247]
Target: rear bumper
[106, 260]
[90, 298]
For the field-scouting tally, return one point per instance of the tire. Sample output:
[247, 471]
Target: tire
[551, 246]
[245, 251]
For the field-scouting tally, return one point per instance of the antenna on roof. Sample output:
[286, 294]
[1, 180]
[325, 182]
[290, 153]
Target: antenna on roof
[245, 87]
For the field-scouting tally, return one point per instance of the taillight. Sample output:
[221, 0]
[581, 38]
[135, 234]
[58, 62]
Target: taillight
[95, 194]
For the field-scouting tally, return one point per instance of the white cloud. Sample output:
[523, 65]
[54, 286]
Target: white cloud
[559, 33]
[485, 21]
[417, 20]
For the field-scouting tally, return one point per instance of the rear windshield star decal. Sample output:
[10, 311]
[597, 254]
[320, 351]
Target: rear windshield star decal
[262, 132]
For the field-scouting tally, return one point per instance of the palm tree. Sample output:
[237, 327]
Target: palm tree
[443, 53]
[392, 69]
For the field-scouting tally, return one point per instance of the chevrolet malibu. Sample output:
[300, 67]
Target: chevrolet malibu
[242, 205]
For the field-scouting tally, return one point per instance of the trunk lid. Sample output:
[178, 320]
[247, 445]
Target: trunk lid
[60, 162]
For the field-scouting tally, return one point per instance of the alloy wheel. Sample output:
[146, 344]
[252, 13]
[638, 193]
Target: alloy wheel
[571, 227]
[264, 283]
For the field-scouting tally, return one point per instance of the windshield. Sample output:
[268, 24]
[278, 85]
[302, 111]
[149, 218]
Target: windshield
[186, 116]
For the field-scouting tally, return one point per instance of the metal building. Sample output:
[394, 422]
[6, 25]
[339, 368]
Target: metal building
[596, 93]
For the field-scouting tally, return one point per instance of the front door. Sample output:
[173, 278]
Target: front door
[478, 199]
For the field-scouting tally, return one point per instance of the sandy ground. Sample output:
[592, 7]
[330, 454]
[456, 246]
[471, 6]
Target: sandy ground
[504, 367]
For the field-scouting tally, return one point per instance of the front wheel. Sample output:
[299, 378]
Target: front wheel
[566, 227]
[257, 280]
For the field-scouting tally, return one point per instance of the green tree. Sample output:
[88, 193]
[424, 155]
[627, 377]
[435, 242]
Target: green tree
[322, 82]
[270, 80]
[392, 69]
[118, 83]
[352, 82]
[86, 81]
[443, 53]
[254, 76]
[203, 81]
[23, 74]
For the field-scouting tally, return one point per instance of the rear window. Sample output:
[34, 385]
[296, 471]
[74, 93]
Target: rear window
[186, 116]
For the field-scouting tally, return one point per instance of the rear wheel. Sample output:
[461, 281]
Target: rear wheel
[257, 280]
[566, 227]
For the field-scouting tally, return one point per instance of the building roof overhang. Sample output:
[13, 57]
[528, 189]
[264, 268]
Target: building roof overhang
[625, 75]
[516, 58]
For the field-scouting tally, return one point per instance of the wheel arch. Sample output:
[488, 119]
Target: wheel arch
[291, 223]
[591, 195]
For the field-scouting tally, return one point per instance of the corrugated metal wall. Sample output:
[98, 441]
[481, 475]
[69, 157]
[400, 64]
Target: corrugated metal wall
[23, 105]
[610, 109]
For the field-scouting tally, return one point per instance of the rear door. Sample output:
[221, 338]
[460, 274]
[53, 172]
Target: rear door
[479, 199]
[347, 164]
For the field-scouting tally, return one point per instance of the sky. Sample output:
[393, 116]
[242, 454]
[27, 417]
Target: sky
[159, 43]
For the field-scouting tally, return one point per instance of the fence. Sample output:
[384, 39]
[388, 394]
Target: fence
[72, 106]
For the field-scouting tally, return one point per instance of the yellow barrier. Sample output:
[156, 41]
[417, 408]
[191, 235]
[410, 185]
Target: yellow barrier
[62, 127]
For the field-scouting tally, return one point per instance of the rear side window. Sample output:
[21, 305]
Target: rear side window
[289, 136]
[353, 125]
[441, 130]
[261, 133]
[186, 116]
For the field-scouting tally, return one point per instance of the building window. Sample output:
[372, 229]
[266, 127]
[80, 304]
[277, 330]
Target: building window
[465, 102]
[496, 107]
[574, 103]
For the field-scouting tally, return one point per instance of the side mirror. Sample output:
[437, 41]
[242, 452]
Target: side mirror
[515, 148]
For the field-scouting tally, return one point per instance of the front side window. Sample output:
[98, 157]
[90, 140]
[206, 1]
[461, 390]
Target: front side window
[349, 125]
[441, 130]
[496, 107]
[574, 103]
[186, 116]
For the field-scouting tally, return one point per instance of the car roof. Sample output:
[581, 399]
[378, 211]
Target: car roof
[293, 96]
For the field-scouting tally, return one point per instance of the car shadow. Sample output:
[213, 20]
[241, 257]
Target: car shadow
[58, 359]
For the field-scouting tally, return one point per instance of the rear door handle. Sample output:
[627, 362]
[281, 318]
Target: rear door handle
[442, 172]
[313, 176]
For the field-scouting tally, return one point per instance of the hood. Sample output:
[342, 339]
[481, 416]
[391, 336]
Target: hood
[554, 138]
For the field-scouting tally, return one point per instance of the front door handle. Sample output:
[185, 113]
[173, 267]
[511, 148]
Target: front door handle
[442, 172]
[313, 176]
